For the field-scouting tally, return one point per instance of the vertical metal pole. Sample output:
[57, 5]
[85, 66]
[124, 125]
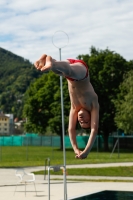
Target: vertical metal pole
[97, 145]
[47, 163]
[27, 149]
[118, 146]
[0, 152]
[49, 183]
[63, 133]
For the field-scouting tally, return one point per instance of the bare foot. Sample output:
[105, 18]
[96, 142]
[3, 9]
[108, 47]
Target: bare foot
[48, 64]
[41, 62]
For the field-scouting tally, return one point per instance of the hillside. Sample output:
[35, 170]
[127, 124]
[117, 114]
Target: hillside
[16, 74]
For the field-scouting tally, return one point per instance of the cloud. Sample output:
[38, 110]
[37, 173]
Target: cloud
[27, 27]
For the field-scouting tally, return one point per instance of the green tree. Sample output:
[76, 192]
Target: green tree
[43, 105]
[124, 104]
[16, 74]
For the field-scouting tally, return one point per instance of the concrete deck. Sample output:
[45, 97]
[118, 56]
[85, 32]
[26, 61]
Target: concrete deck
[75, 188]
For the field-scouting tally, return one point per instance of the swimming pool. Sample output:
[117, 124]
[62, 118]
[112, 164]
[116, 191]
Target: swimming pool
[107, 195]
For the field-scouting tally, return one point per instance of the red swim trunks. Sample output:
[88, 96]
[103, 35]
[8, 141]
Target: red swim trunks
[76, 61]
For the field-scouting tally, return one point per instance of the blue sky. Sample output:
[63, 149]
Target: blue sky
[27, 27]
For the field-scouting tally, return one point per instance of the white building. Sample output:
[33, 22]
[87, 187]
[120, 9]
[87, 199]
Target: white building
[6, 124]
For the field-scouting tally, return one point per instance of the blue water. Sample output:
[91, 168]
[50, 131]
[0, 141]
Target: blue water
[108, 195]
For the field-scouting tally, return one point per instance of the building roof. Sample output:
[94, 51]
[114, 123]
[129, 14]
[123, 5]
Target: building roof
[2, 115]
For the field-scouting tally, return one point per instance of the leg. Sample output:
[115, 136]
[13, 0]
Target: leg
[35, 188]
[15, 188]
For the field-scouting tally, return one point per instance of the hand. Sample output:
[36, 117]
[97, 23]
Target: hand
[82, 155]
[77, 153]
[44, 63]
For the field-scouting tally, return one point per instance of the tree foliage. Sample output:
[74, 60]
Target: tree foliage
[16, 74]
[43, 105]
[124, 104]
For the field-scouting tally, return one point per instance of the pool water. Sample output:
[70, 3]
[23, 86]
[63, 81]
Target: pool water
[107, 195]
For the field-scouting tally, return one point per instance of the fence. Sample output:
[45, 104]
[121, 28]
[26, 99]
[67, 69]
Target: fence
[125, 142]
[35, 140]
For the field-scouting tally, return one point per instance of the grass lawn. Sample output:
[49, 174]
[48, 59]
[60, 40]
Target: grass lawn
[36, 156]
[107, 171]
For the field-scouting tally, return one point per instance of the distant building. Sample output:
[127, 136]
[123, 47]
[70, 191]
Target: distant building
[6, 124]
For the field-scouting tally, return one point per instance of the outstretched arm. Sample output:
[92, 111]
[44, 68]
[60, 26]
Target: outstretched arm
[72, 130]
[93, 134]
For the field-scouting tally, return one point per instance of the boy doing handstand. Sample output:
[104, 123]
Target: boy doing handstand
[84, 100]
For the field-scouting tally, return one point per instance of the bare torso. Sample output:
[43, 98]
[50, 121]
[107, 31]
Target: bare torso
[82, 94]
